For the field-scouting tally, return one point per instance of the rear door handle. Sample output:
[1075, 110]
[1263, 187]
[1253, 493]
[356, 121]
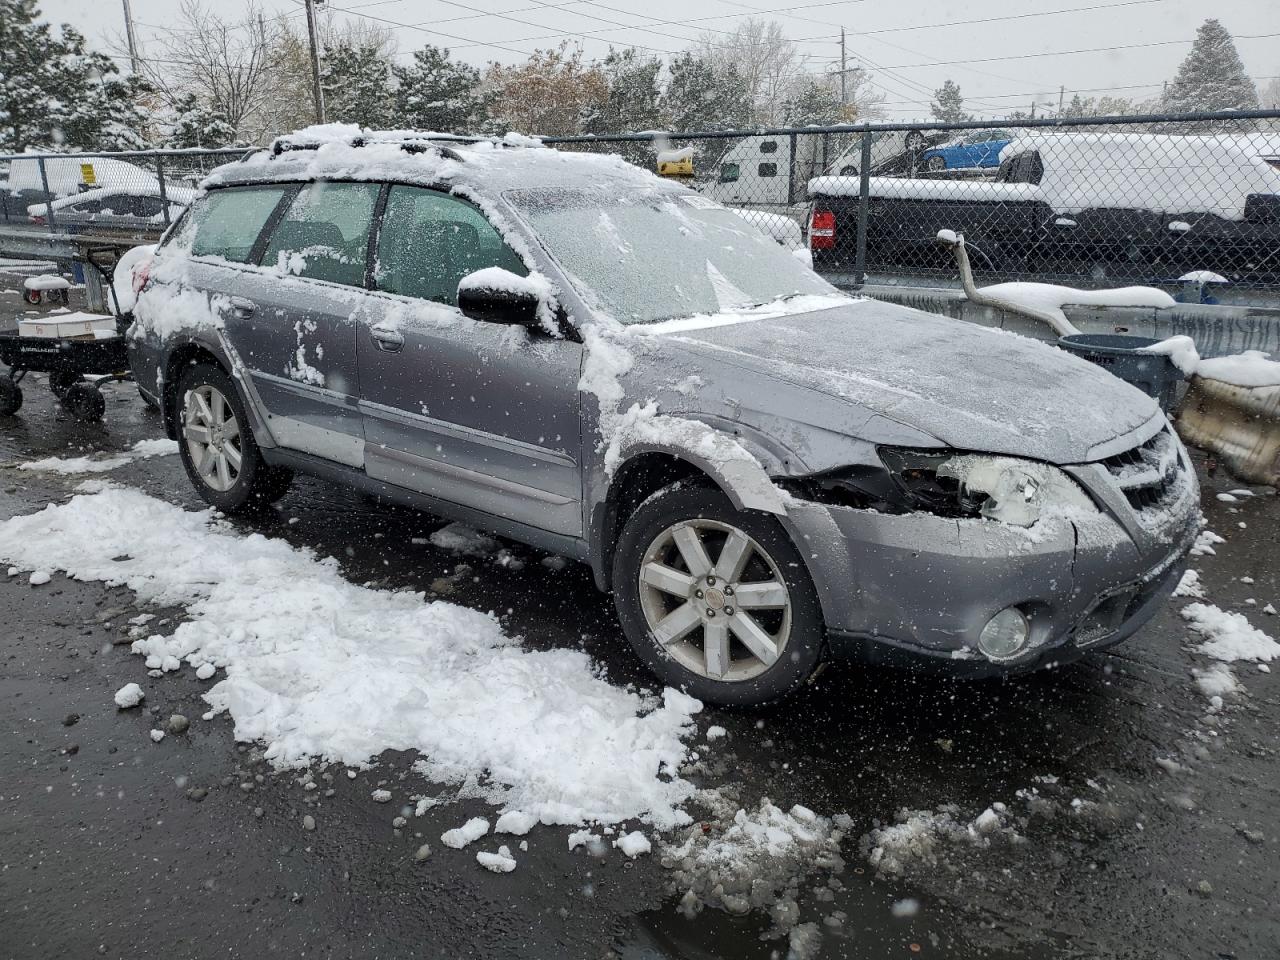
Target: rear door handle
[243, 308]
[387, 339]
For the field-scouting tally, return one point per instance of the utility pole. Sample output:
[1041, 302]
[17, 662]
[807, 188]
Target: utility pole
[844, 97]
[1033, 109]
[128, 32]
[1062, 90]
[316, 92]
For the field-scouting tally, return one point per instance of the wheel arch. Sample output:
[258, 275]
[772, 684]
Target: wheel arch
[188, 353]
[648, 468]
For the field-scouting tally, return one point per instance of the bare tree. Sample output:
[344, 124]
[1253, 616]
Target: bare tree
[864, 100]
[1270, 95]
[770, 65]
[550, 93]
[224, 64]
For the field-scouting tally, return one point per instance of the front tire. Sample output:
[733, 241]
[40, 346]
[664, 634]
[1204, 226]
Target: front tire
[218, 451]
[714, 600]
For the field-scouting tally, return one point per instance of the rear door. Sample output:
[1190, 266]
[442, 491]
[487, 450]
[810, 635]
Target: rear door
[480, 414]
[294, 320]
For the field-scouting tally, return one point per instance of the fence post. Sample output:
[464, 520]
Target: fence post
[864, 201]
[44, 185]
[164, 195]
[791, 170]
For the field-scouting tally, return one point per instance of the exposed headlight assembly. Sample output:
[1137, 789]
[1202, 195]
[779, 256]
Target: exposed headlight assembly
[950, 484]
[1015, 491]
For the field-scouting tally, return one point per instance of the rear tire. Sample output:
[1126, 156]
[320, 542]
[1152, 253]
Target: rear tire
[217, 447]
[10, 397]
[716, 601]
[84, 401]
[60, 381]
[936, 164]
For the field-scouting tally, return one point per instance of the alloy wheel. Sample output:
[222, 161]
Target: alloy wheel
[724, 619]
[212, 434]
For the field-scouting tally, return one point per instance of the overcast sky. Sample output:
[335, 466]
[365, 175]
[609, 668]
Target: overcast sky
[1000, 65]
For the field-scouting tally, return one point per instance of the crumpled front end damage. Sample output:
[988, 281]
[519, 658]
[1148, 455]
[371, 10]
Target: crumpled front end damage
[918, 589]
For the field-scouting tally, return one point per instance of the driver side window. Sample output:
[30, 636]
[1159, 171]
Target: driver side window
[429, 241]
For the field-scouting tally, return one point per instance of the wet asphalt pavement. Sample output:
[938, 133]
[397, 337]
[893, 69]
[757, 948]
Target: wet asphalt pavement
[112, 845]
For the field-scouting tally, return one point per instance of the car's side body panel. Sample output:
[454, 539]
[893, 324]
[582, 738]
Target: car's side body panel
[478, 413]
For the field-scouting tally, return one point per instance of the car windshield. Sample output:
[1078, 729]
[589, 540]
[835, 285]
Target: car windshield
[659, 256]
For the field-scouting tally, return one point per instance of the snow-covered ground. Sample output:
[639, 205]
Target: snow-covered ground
[319, 668]
[141, 450]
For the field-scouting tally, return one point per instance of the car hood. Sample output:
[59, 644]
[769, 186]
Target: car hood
[971, 387]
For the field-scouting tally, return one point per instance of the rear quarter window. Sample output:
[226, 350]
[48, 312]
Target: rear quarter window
[226, 223]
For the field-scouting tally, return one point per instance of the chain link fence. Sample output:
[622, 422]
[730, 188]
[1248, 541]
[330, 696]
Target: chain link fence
[133, 193]
[1189, 203]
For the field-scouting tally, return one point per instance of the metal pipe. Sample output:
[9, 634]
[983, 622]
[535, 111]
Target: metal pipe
[955, 241]
[44, 185]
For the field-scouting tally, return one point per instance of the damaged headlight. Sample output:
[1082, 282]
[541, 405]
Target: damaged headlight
[950, 484]
[1012, 490]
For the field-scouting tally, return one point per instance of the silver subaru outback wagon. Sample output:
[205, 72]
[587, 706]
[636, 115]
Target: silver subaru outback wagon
[567, 351]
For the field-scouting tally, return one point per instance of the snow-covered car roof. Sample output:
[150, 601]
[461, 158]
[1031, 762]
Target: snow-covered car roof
[65, 174]
[1089, 171]
[488, 165]
[1211, 173]
[181, 196]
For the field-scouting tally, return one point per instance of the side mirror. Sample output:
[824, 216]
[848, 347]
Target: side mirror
[495, 295]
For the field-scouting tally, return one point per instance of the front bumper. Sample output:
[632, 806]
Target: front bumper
[918, 589]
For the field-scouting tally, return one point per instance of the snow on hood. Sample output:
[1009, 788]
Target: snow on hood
[971, 387]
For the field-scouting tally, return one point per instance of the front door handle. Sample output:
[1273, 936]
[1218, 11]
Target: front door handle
[387, 339]
[243, 308]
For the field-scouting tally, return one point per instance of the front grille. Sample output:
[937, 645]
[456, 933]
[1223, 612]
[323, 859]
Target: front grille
[1148, 473]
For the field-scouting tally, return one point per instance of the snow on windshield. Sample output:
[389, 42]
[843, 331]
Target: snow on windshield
[644, 258]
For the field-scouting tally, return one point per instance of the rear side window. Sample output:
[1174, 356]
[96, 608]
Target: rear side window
[324, 234]
[767, 169]
[429, 241]
[86, 207]
[225, 223]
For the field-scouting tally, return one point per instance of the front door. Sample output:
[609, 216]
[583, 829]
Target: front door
[294, 320]
[480, 414]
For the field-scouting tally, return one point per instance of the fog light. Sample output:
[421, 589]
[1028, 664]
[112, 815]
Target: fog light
[1005, 634]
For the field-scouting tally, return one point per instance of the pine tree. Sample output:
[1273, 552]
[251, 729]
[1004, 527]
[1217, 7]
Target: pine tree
[702, 96]
[55, 92]
[948, 104]
[814, 102]
[33, 83]
[1212, 77]
[631, 103]
[437, 93]
[196, 125]
[356, 80]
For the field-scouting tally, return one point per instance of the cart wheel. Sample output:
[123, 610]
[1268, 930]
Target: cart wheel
[85, 401]
[10, 397]
[32, 297]
[60, 381]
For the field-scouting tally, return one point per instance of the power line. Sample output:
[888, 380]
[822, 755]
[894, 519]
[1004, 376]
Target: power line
[1064, 53]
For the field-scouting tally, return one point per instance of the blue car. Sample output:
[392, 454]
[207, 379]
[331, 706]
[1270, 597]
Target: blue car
[976, 149]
